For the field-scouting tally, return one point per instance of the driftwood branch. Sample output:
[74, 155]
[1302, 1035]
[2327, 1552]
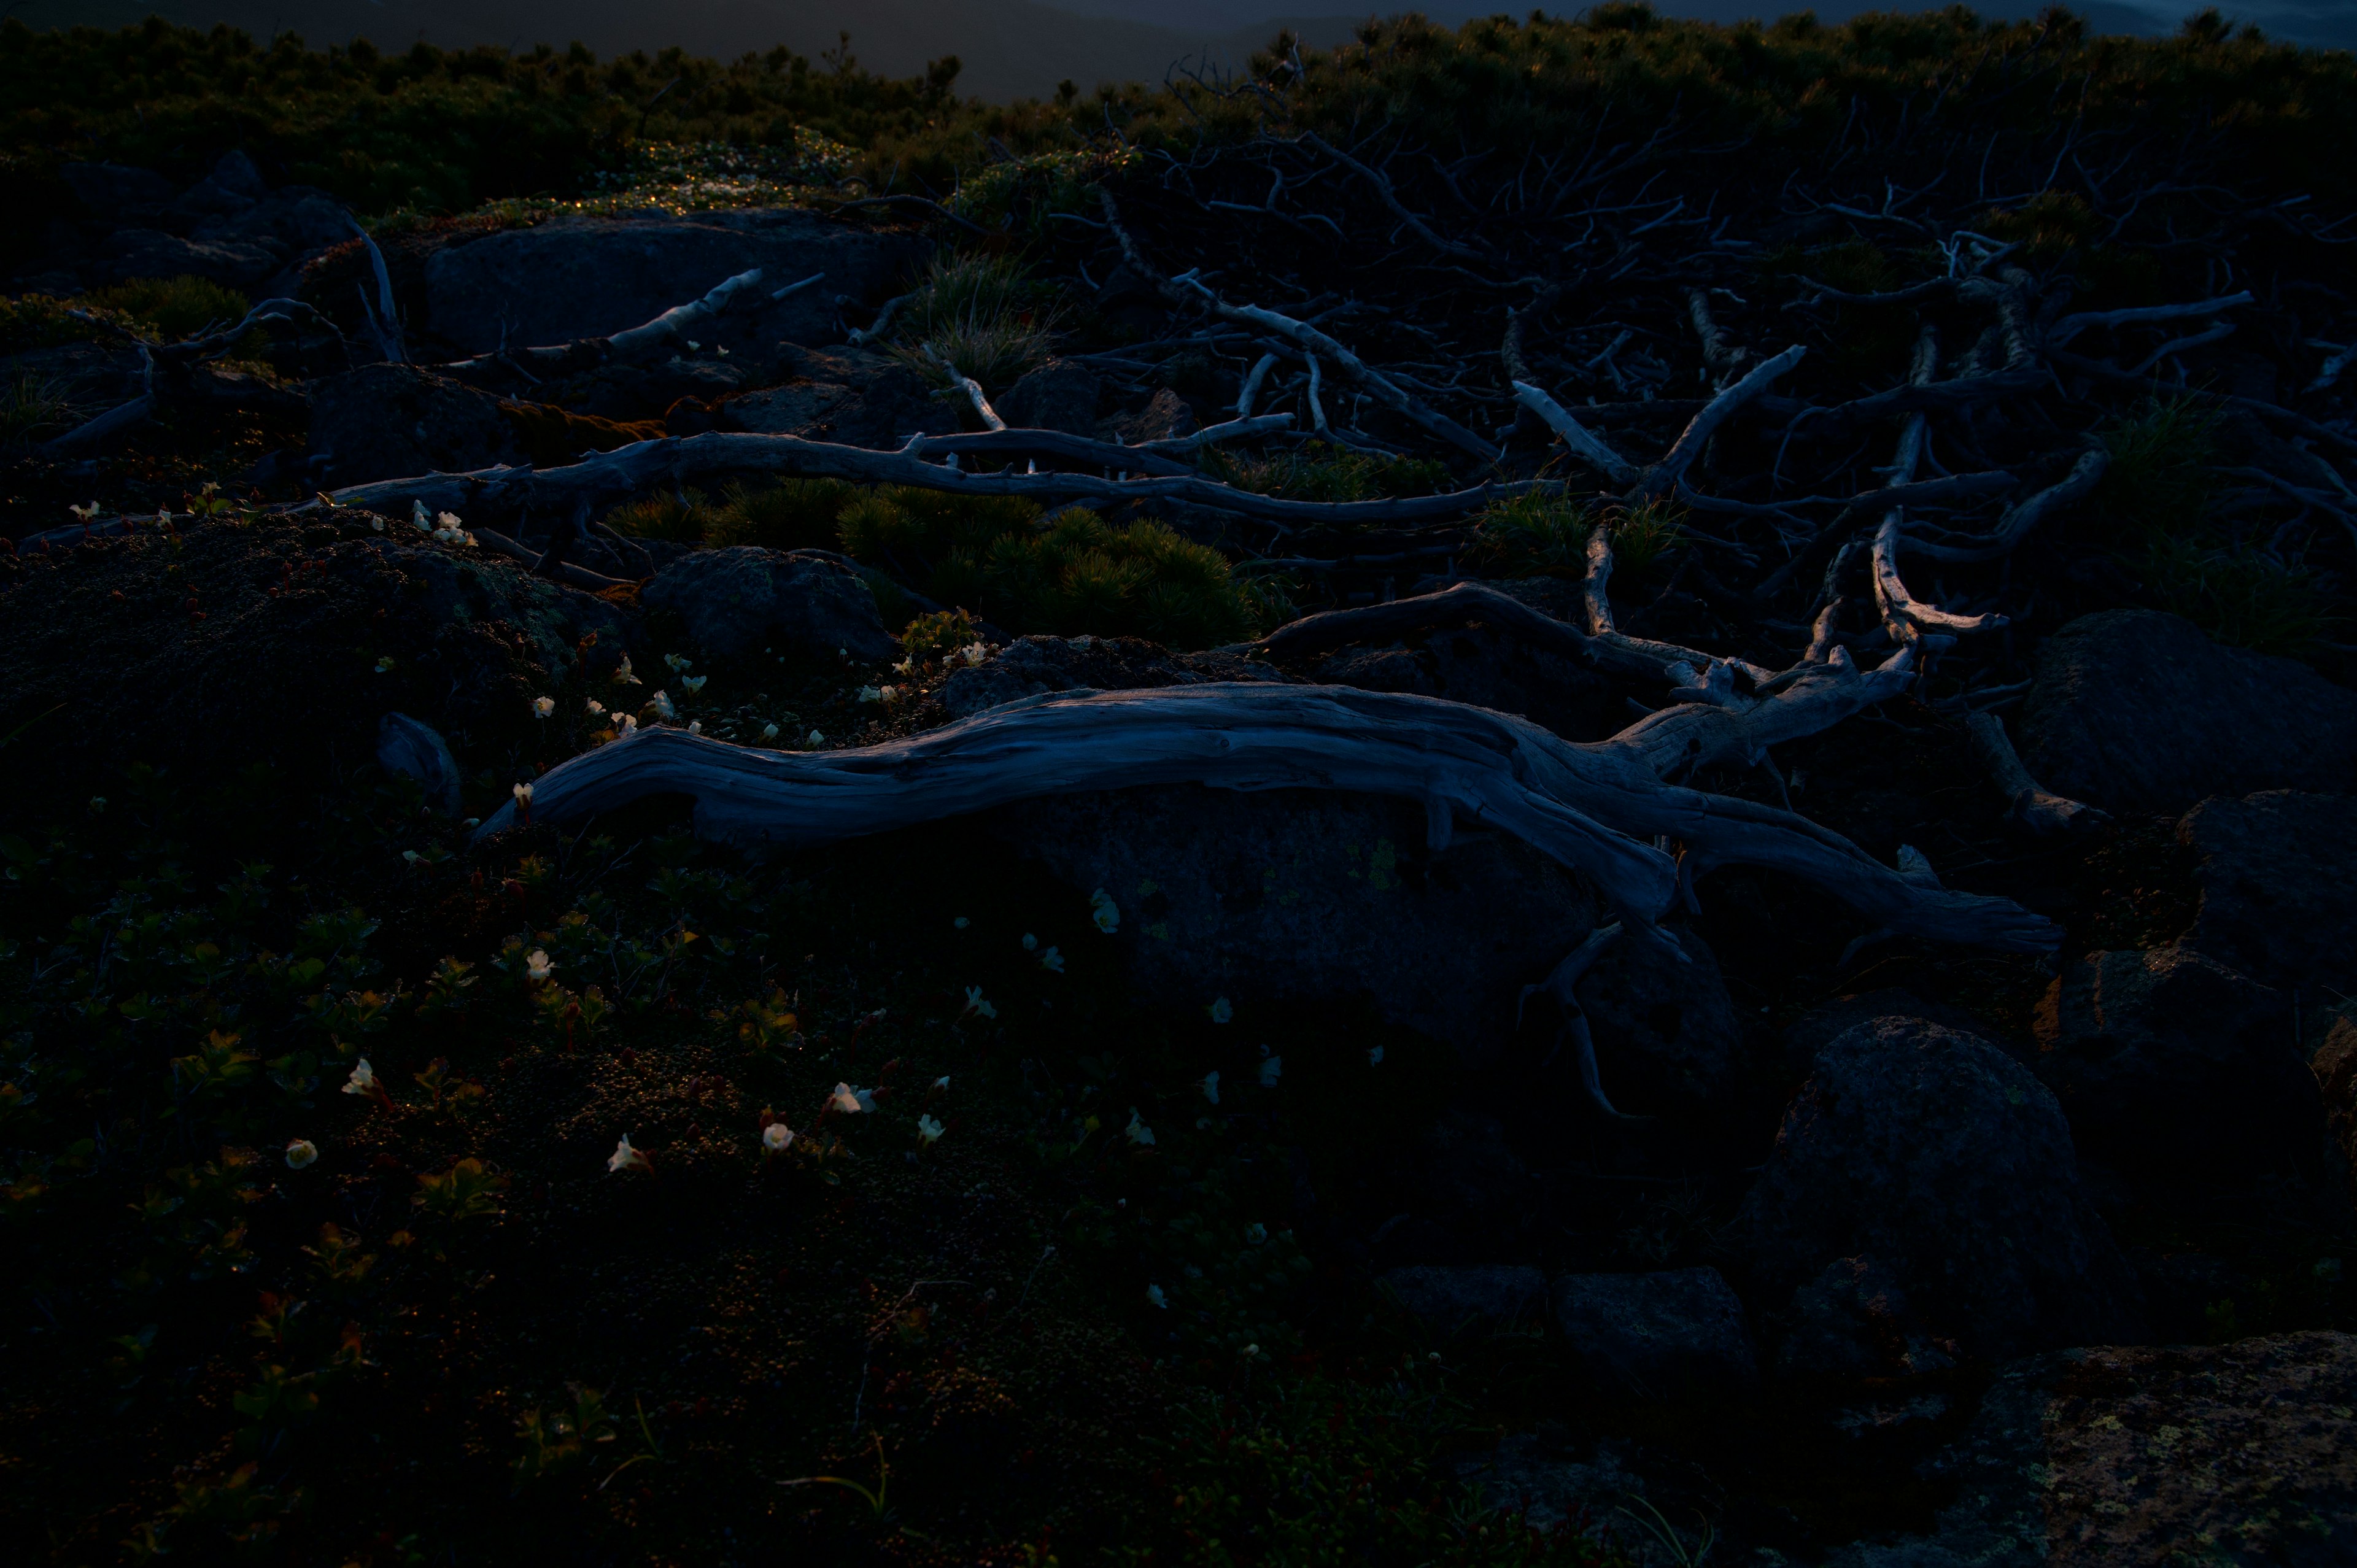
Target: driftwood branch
[1662, 476]
[2027, 804]
[614, 475]
[1586, 446]
[1596, 808]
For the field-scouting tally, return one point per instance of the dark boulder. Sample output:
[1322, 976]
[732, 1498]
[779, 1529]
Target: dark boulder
[153, 253]
[2336, 1074]
[233, 186]
[1937, 1154]
[281, 644]
[390, 422]
[1667, 1039]
[1852, 1323]
[2138, 711]
[114, 192]
[1298, 895]
[745, 599]
[2243, 1454]
[592, 277]
[2178, 1073]
[850, 396]
[1165, 417]
[2278, 878]
[1819, 1027]
[1675, 1334]
[1450, 1298]
[1060, 396]
[417, 751]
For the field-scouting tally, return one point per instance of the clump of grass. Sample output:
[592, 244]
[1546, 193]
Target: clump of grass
[2163, 470]
[39, 321]
[1318, 472]
[31, 408]
[2242, 597]
[1077, 574]
[683, 518]
[985, 315]
[171, 309]
[1533, 536]
[1643, 534]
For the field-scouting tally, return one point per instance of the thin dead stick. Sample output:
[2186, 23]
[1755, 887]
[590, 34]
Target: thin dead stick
[1587, 446]
[1662, 476]
[2027, 804]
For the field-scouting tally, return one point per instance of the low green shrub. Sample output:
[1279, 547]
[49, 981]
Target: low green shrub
[1319, 472]
[168, 310]
[983, 314]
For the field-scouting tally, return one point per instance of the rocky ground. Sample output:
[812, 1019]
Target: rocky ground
[382, 1191]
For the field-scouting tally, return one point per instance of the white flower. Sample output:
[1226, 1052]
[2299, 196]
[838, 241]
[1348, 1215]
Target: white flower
[776, 1137]
[523, 793]
[974, 1003]
[906, 667]
[678, 663]
[1255, 1233]
[1053, 961]
[768, 731]
[630, 723]
[1270, 1071]
[973, 653]
[625, 1158]
[1030, 942]
[300, 1153]
[1154, 1298]
[539, 966]
[661, 703]
[870, 694]
[1137, 1131]
[889, 694]
[941, 1082]
[692, 684]
[542, 706]
[596, 707]
[364, 1080]
[816, 739]
[1375, 1055]
[1210, 1085]
[623, 677]
[1104, 911]
[1221, 1011]
[722, 351]
[692, 344]
[850, 1101]
[928, 1129]
[695, 726]
[87, 513]
[412, 856]
[418, 519]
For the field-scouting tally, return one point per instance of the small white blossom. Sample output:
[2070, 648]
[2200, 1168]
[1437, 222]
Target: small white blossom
[1104, 911]
[768, 731]
[661, 703]
[542, 706]
[692, 684]
[973, 653]
[678, 663]
[1255, 1233]
[776, 1137]
[412, 856]
[1375, 1055]
[928, 1129]
[1052, 961]
[850, 1101]
[417, 517]
[1030, 942]
[364, 1080]
[1210, 1085]
[816, 739]
[1155, 1297]
[870, 694]
[625, 1158]
[300, 1153]
[1271, 1071]
[941, 1082]
[692, 344]
[523, 793]
[87, 513]
[974, 1003]
[596, 707]
[539, 966]
[630, 725]
[1137, 1131]
[1220, 1011]
[623, 676]
[695, 726]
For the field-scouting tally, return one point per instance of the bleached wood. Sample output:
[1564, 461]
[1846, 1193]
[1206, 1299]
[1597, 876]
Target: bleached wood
[2028, 803]
[1586, 445]
[1596, 808]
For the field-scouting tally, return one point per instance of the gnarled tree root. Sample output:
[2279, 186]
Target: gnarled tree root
[1597, 809]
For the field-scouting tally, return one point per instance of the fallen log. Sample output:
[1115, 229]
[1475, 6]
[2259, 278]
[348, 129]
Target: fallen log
[1597, 807]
